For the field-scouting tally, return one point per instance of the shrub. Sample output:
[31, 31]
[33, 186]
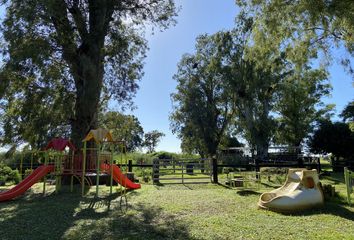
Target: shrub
[7, 174]
[3, 180]
[15, 176]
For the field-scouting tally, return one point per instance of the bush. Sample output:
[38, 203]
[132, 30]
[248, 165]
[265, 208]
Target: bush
[28, 172]
[170, 155]
[15, 176]
[140, 158]
[3, 180]
[7, 174]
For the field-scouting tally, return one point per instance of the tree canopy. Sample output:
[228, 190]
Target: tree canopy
[220, 88]
[124, 127]
[72, 55]
[151, 139]
[348, 114]
[335, 138]
[202, 103]
[301, 29]
[299, 105]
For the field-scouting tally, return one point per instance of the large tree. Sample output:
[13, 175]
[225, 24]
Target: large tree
[202, 103]
[299, 105]
[151, 139]
[72, 53]
[348, 114]
[124, 127]
[335, 138]
[302, 29]
[253, 87]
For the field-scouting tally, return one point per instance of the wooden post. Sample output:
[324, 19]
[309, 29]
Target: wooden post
[182, 165]
[319, 169]
[111, 170]
[174, 165]
[156, 171]
[300, 162]
[130, 165]
[347, 183]
[215, 170]
[256, 161]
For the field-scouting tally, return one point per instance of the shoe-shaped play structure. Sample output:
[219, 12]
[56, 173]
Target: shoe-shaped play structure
[302, 190]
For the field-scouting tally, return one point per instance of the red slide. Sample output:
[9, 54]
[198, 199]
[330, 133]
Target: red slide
[119, 177]
[22, 187]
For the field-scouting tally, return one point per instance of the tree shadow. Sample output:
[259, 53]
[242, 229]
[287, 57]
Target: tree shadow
[224, 186]
[331, 208]
[70, 216]
[270, 186]
[247, 192]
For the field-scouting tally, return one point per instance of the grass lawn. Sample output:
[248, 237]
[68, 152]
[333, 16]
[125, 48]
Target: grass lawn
[170, 212]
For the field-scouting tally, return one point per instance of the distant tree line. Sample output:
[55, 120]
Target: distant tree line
[222, 93]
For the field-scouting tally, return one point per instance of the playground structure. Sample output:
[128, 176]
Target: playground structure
[349, 182]
[95, 159]
[302, 190]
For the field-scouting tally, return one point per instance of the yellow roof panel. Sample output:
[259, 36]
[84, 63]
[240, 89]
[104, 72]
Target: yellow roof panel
[98, 135]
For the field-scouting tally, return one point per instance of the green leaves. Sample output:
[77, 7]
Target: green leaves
[302, 29]
[124, 128]
[151, 139]
[202, 104]
[299, 104]
[222, 87]
[64, 59]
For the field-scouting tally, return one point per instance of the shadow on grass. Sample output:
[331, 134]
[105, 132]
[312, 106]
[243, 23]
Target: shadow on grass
[70, 216]
[224, 186]
[246, 192]
[331, 208]
[334, 179]
[271, 186]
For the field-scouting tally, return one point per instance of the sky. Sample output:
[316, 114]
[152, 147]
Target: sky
[166, 49]
[196, 17]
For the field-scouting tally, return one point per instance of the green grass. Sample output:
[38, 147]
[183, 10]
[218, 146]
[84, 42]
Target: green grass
[170, 212]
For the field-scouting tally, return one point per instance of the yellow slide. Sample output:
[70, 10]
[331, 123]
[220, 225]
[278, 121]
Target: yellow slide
[302, 190]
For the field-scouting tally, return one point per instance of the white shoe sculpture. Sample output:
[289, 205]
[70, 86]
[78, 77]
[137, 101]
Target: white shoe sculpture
[302, 190]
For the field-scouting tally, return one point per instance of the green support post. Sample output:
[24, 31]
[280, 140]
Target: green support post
[21, 166]
[45, 177]
[98, 168]
[111, 180]
[32, 161]
[58, 173]
[83, 170]
[72, 171]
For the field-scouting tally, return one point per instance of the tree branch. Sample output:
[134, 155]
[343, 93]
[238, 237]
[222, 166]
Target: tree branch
[79, 19]
[65, 39]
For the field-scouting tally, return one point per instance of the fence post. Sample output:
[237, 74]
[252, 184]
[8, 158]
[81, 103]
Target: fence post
[182, 165]
[319, 165]
[156, 171]
[256, 162]
[215, 170]
[300, 162]
[130, 165]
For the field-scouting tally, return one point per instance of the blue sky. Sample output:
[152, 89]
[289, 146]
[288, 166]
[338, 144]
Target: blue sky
[166, 48]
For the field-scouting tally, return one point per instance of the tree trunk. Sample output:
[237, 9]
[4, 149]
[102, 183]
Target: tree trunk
[89, 81]
[262, 150]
